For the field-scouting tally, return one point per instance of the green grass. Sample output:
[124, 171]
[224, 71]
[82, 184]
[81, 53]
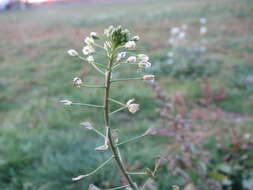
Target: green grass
[42, 145]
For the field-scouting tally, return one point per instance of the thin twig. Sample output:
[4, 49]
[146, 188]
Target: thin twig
[94, 171]
[88, 105]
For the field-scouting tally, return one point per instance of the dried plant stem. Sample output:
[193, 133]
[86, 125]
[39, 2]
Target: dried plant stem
[112, 144]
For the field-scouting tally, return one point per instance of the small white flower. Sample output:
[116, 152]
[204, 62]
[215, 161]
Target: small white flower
[142, 57]
[89, 41]
[181, 36]
[136, 38]
[131, 59]
[144, 64]
[203, 30]
[133, 108]
[175, 30]
[94, 35]
[87, 125]
[121, 56]
[73, 52]
[90, 59]
[66, 102]
[149, 78]
[130, 45]
[87, 50]
[77, 82]
[202, 20]
[102, 148]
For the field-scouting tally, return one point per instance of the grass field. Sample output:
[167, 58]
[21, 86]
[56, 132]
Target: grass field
[42, 145]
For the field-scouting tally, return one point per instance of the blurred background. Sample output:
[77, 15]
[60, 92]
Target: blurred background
[201, 104]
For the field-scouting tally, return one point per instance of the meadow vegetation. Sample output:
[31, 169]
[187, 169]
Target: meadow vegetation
[42, 144]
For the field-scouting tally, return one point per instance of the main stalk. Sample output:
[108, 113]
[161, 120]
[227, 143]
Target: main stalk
[112, 144]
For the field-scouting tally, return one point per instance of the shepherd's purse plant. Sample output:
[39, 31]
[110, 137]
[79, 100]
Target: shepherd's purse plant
[118, 46]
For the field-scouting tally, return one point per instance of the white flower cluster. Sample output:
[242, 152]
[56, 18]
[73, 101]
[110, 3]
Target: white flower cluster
[177, 34]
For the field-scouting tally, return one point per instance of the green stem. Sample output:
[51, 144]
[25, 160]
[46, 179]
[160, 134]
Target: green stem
[107, 123]
[88, 105]
[92, 86]
[132, 139]
[136, 173]
[93, 64]
[120, 109]
[94, 171]
[98, 132]
[116, 101]
[121, 187]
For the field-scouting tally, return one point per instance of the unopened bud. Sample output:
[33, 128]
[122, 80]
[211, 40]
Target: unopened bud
[87, 125]
[136, 38]
[102, 148]
[66, 102]
[94, 35]
[89, 41]
[77, 82]
[121, 56]
[142, 57]
[131, 59]
[130, 45]
[149, 78]
[73, 52]
[144, 64]
[90, 59]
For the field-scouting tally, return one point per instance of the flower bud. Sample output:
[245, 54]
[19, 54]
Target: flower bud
[102, 148]
[136, 38]
[89, 41]
[148, 78]
[142, 57]
[144, 64]
[87, 125]
[87, 50]
[131, 59]
[130, 45]
[73, 52]
[121, 56]
[94, 35]
[90, 59]
[66, 102]
[77, 82]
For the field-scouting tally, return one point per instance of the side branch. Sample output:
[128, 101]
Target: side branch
[94, 171]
